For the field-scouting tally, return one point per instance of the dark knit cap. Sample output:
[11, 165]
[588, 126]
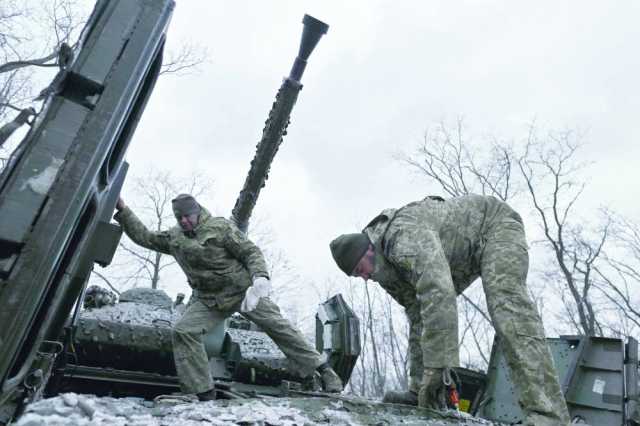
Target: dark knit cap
[184, 205]
[348, 249]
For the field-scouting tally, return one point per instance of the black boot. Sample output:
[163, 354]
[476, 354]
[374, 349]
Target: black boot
[399, 397]
[331, 382]
[209, 395]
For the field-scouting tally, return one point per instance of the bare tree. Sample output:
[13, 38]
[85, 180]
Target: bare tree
[452, 160]
[35, 41]
[32, 35]
[619, 278]
[185, 58]
[37, 38]
[550, 169]
[476, 336]
[396, 344]
[288, 284]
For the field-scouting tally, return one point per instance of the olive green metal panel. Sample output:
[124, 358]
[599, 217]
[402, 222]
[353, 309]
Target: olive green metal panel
[591, 372]
[63, 179]
[338, 335]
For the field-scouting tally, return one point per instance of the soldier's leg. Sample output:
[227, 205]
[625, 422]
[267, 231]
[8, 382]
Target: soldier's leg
[416, 365]
[191, 359]
[416, 368]
[290, 340]
[504, 266]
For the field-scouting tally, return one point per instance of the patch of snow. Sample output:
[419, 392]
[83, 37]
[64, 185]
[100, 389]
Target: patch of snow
[80, 410]
[134, 313]
[255, 344]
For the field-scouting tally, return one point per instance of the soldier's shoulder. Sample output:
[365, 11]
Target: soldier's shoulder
[375, 228]
[219, 222]
[384, 216]
[215, 227]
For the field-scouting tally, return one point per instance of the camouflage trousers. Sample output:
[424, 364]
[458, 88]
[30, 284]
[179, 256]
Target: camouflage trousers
[504, 266]
[189, 353]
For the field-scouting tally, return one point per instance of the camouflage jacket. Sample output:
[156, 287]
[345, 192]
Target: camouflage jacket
[218, 260]
[453, 233]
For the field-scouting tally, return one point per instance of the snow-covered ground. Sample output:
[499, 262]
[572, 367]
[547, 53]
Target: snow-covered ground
[80, 410]
[134, 313]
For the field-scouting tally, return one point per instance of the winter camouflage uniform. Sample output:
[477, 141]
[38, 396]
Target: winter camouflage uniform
[429, 251]
[219, 262]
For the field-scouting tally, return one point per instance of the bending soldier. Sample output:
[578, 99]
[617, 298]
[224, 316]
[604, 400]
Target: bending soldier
[227, 273]
[425, 254]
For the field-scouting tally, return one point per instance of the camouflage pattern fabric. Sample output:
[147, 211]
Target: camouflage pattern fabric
[188, 348]
[189, 354]
[290, 340]
[219, 262]
[429, 251]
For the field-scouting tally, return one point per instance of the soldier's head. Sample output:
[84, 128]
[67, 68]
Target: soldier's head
[186, 210]
[354, 254]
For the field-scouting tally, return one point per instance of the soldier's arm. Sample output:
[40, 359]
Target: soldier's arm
[246, 252]
[420, 259]
[139, 234]
[397, 293]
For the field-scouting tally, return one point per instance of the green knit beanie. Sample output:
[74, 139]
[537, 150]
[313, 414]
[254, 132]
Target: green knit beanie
[185, 205]
[348, 249]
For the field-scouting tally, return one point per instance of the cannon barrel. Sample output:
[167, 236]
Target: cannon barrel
[276, 125]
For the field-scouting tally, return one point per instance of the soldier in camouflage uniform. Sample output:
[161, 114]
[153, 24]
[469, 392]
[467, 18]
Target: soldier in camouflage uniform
[227, 273]
[425, 254]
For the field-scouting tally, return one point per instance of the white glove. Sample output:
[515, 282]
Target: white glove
[261, 288]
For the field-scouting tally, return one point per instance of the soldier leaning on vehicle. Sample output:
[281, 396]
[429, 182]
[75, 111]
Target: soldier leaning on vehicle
[227, 273]
[426, 253]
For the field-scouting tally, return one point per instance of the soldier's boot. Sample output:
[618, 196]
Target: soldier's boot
[398, 397]
[209, 395]
[432, 392]
[331, 382]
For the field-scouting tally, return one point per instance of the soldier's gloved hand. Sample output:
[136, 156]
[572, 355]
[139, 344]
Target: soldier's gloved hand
[261, 288]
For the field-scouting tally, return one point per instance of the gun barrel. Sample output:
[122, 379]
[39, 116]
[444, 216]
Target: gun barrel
[276, 125]
[313, 30]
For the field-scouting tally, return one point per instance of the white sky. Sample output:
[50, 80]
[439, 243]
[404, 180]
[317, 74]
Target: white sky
[384, 72]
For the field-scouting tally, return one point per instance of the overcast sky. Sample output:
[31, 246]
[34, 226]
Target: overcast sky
[385, 72]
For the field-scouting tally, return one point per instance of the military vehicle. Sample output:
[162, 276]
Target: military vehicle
[124, 349]
[59, 188]
[57, 194]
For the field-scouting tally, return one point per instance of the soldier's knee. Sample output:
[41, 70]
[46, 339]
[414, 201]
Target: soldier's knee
[182, 333]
